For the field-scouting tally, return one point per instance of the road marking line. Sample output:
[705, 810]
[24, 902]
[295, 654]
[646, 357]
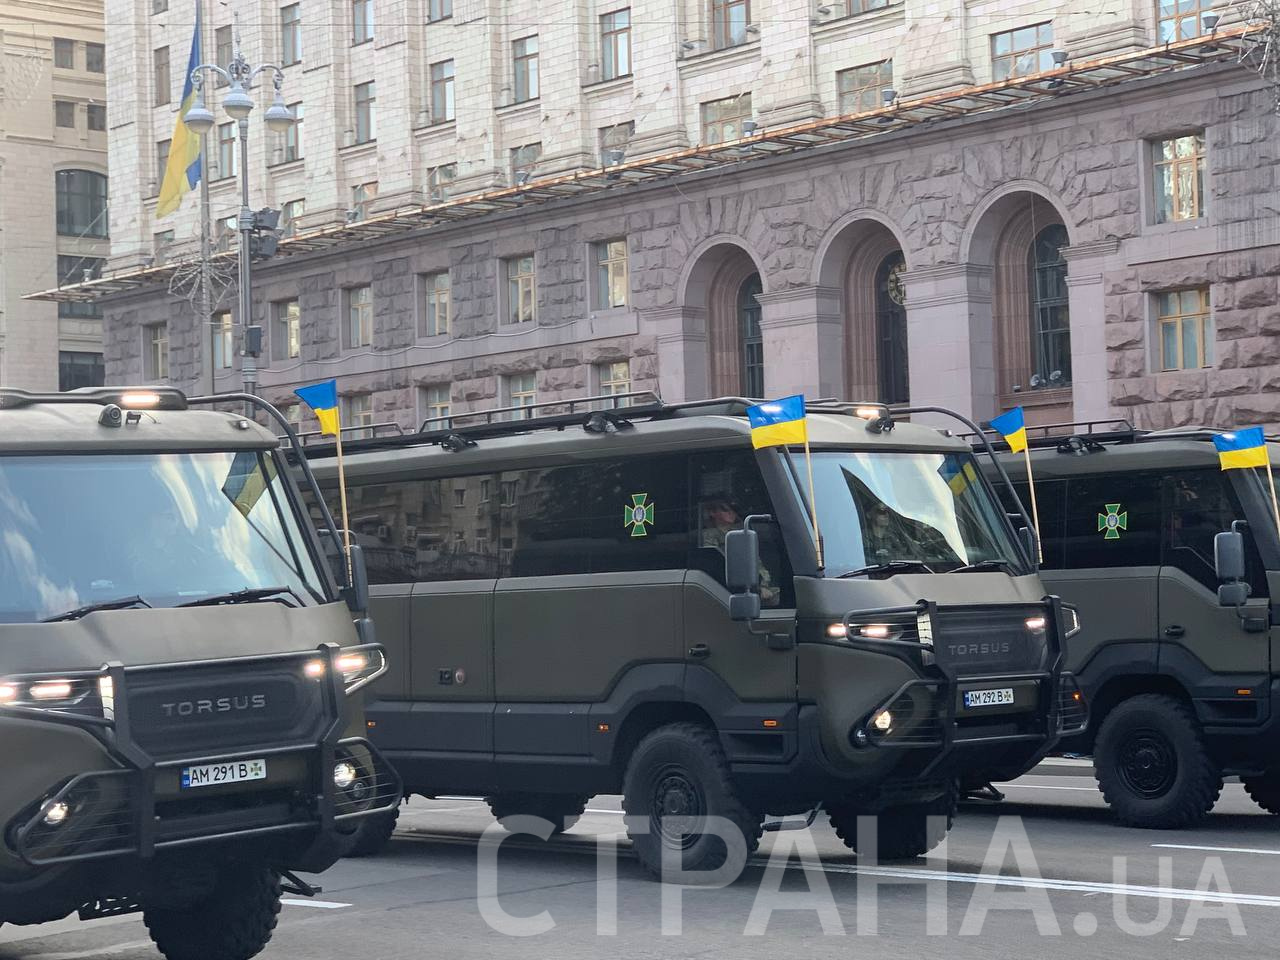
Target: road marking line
[85, 954]
[1038, 786]
[318, 904]
[1192, 846]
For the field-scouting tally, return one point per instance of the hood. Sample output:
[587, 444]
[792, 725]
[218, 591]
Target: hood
[822, 597]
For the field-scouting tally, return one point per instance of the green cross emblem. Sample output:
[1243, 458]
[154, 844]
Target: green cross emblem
[638, 515]
[1113, 521]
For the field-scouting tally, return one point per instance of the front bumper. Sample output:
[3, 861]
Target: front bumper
[137, 810]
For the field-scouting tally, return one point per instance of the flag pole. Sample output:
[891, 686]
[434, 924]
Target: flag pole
[813, 502]
[1035, 510]
[342, 497]
[1271, 480]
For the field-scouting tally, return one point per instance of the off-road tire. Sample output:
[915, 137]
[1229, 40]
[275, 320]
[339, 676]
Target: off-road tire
[902, 832]
[685, 755]
[562, 810]
[234, 922]
[1265, 791]
[374, 833]
[1152, 766]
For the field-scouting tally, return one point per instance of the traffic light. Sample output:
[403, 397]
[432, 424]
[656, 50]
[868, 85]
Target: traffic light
[265, 239]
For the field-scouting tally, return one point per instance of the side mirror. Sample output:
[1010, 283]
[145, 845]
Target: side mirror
[1028, 535]
[357, 592]
[744, 606]
[1233, 594]
[742, 561]
[1228, 556]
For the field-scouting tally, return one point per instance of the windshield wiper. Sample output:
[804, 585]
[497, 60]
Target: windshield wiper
[888, 565]
[983, 565]
[120, 603]
[247, 595]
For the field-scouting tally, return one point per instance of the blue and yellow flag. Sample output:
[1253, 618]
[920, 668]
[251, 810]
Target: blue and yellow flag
[323, 399]
[1243, 448]
[1013, 427]
[182, 171]
[778, 422]
[958, 473]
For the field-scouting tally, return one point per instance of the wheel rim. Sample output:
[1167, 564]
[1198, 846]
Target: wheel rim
[676, 808]
[1148, 764]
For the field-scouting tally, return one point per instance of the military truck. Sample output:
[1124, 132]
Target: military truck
[1175, 567]
[581, 600]
[177, 665]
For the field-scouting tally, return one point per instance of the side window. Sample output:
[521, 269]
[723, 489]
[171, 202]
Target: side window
[1112, 520]
[726, 488]
[1051, 500]
[1199, 505]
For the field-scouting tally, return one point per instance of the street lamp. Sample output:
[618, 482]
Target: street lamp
[238, 104]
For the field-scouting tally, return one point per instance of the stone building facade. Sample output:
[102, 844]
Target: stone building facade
[1110, 253]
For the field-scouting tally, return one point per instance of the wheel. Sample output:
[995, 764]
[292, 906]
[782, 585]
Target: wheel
[1152, 766]
[903, 832]
[374, 833]
[677, 774]
[563, 810]
[234, 922]
[1265, 791]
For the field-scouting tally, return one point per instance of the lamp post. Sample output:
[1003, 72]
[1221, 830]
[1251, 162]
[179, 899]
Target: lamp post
[200, 120]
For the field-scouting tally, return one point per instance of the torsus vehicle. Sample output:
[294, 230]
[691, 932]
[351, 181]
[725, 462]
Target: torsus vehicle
[176, 664]
[630, 600]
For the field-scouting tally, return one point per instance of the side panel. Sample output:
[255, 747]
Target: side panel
[1115, 607]
[743, 660]
[389, 609]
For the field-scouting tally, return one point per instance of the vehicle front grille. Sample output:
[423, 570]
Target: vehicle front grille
[978, 640]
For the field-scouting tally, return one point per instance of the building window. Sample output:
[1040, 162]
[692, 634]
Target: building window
[442, 91]
[361, 21]
[1179, 177]
[523, 162]
[161, 244]
[81, 203]
[291, 138]
[1186, 329]
[290, 34]
[613, 379]
[226, 151]
[865, 6]
[223, 51]
[722, 119]
[525, 58]
[64, 53]
[77, 370]
[95, 58]
[435, 402]
[435, 304]
[615, 44]
[1017, 53]
[892, 364]
[522, 290]
[71, 270]
[157, 359]
[362, 197]
[291, 215]
[162, 160]
[862, 88]
[224, 231]
[439, 10]
[366, 98]
[438, 181]
[752, 340]
[1050, 316]
[160, 73]
[614, 141]
[223, 341]
[729, 20]
[64, 113]
[356, 410]
[359, 317]
[287, 329]
[96, 113]
[521, 391]
[159, 6]
[611, 274]
[1182, 19]
[459, 500]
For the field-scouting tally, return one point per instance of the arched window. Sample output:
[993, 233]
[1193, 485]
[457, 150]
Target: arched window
[82, 203]
[891, 329]
[750, 337]
[1050, 315]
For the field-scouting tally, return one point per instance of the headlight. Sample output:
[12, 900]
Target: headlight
[48, 694]
[359, 668]
[865, 631]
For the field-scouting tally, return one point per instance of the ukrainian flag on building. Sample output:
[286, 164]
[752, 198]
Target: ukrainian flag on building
[778, 422]
[1013, 427]
[323, 399]
[1242, 448]
[182, 171]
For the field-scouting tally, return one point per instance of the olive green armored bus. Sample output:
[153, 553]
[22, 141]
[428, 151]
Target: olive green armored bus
[1175, 567]
[176, 671]
[629, 600]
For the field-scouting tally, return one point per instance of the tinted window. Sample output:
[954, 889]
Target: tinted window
[1051, 501]
[1200, 505]
[1112, 520]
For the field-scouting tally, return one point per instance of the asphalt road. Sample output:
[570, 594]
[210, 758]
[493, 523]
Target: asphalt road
[1045, 874]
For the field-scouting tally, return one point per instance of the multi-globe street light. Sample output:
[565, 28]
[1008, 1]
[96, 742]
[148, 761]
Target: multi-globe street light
[238, 104]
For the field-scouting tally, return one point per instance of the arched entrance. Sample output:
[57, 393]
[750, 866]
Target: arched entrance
[725, 282]
[891, 330]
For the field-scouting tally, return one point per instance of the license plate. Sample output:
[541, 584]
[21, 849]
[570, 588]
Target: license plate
[988, 698]
[215, 774]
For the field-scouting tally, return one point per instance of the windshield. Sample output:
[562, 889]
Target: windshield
[932, 508]
[169, 528]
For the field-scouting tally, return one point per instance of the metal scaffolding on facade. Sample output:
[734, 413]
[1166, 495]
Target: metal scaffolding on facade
[1227, 45]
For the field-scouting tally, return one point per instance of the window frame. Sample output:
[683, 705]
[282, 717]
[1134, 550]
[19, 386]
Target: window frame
[610, 266]
[291, 34]
[433, 405]
[363, 25]
[157, 343]
[161, 77]
[716, 124]
[61, 46]
[90, 190]
[286, 328]
[522, 290]
[853, 97]
[1205, 331]
[291, 149]
[228, 159]
[95, 53]
[366, 99]
[359, 316]
[723, 25]
[439, 179]
[224, 46]
[443, 103]
[525, 157]
[438, 10]
[525, 397]
[59, 111]
[1041, 48]
[1197, 162]
[222, 340]
[526, 83]
[92, 110]
[71, 269]
[436, 299]
[615, 45]
[1177, 19]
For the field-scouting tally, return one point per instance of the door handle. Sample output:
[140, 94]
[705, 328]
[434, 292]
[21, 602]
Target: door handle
[1174, 631]
[699, 651]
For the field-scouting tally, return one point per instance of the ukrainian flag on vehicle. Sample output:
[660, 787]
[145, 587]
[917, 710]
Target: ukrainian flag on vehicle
[323, 399]
[778, 422]
[1013, 427]
[1242, 448]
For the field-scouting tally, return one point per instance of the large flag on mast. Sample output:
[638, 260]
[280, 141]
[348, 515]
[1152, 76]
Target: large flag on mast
[182, 171]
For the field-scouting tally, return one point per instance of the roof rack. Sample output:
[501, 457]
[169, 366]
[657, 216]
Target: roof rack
[1095, 433]
[372, 429]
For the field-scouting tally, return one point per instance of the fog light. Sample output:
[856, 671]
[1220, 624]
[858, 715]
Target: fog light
[344, 775]
[882, 721]
[55, 814]
[1035, 624]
